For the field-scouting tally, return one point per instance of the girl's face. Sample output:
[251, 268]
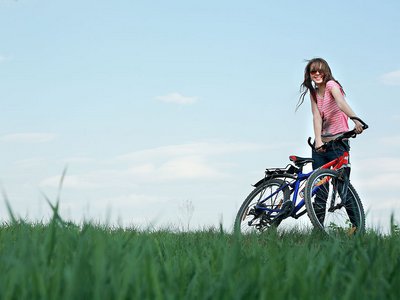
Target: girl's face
[316, 73]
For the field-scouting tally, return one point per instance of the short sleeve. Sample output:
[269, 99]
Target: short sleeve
[331, 84]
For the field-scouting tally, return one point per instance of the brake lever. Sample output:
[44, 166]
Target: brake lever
[310, 144]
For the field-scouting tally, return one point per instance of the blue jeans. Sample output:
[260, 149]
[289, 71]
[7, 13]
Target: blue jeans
[333, 151]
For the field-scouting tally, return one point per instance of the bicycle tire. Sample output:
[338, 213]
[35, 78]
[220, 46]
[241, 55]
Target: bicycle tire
[263, 221]
[333, 216]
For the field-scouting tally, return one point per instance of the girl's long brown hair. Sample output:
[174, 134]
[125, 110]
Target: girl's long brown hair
[307, 85]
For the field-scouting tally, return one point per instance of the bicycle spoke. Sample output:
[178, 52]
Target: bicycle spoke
[256, 213]
[326, 207]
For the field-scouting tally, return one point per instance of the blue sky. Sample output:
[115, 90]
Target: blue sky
[154, 105]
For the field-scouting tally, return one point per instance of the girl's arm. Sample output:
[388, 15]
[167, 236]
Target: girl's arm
[345, 107]
[317, 123]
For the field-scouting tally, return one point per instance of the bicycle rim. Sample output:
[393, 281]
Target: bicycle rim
[249, 219]
[326, 208]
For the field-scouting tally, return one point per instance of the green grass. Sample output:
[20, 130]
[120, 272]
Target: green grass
[60, 260]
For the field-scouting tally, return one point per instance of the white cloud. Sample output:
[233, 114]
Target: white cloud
[30, 162]
[379, 165]
[71, 181]
[192, 149]
[169, 170]
[135, 199]
[391, 78]
[177, 98]
[380, 181]
[378, 175]
[392, 141]
[387, 203]
[167, 164]
[4, 58]
[78, 160]
[189, 168]
[30, 137]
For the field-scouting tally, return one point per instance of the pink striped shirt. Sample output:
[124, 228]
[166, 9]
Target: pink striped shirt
[334, 121]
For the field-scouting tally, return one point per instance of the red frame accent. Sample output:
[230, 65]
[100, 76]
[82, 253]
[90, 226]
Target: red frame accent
[337, 163]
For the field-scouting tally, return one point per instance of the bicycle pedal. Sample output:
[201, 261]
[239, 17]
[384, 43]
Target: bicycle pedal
[286, 210]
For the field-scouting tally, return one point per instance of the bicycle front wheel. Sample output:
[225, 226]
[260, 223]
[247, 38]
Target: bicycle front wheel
[333, 206]
[271, 195]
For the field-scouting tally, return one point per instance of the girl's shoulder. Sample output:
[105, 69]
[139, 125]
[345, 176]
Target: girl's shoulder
[333, 84]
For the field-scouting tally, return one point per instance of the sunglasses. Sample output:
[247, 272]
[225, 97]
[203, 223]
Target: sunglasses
[313, 72]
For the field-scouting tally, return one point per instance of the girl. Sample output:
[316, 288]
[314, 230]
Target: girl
[329, 108]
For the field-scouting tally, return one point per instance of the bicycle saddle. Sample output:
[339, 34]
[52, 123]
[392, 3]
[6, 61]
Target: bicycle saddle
[300, 161]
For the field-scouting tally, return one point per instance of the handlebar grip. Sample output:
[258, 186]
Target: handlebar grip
[365, 125]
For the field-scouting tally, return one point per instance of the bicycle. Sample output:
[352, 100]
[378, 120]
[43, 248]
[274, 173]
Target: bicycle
[329, 199]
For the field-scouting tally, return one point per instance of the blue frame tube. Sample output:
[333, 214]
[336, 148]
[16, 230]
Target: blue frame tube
[296, 185]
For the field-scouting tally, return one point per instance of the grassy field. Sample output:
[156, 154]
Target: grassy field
[60, 260]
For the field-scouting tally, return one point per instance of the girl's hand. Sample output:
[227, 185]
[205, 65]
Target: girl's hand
[359, 127]
[318, 146]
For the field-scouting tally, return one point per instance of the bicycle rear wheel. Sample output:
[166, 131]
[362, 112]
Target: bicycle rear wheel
[326, 208]
[252, 219]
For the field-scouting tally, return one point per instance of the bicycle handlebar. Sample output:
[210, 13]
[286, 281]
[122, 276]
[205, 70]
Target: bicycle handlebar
[345, 135]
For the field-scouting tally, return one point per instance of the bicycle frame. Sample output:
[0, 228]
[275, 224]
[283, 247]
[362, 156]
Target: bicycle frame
[337, 163]
[295, 186]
